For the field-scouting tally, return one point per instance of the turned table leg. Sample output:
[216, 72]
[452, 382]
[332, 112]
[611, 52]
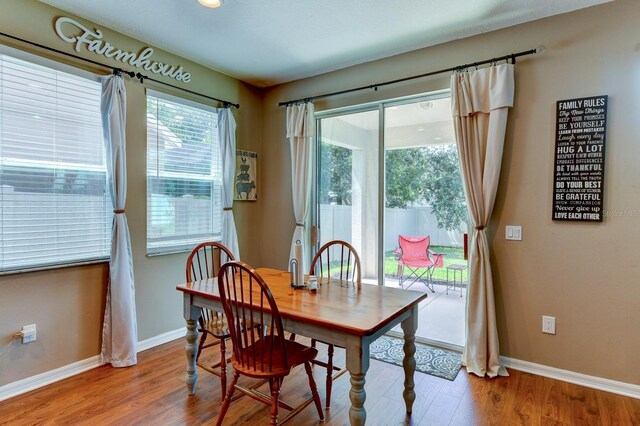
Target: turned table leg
[409, 327]
[192, 313]
[357, 364]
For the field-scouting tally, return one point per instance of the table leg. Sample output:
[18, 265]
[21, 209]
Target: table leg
[357, 364]
[409, 326]
[192, 313]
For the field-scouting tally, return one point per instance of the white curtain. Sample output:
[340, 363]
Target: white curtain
[480, 104]
[119, 330]
[300, 132]
[227, 137]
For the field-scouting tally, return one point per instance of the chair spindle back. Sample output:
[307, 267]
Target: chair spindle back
[253, 317]
[206, 259]
[204, 262]
[338, 260]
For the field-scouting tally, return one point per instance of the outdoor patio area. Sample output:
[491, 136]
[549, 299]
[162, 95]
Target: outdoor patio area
[441, 315]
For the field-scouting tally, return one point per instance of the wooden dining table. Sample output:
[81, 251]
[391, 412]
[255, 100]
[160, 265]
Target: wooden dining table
[337, 313]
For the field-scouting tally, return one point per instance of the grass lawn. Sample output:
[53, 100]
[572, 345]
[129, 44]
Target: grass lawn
[453, 255]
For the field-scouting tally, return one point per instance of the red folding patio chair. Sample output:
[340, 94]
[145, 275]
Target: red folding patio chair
[414, 254]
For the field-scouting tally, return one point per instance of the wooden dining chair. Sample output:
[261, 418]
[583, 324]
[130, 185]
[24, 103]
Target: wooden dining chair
[204, 262]
[336, 260]
[260, 351]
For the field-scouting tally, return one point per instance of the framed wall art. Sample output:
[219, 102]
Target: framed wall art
[581, 128]
[245, 183]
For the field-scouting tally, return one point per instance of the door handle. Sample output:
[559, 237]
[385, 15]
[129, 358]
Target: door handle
[314, 235]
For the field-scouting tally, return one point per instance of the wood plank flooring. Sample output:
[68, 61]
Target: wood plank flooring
[153, 393]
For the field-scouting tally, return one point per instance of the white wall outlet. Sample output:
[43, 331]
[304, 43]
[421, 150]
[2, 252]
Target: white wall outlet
[548, 324]
[28, 333]
[513, 232]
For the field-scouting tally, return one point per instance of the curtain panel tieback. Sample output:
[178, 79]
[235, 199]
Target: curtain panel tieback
[300, 224]
[227, 209]
[480, 102]
[119, 326]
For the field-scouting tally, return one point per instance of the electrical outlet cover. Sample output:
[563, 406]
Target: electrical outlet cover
[29, 333]
[548, 324]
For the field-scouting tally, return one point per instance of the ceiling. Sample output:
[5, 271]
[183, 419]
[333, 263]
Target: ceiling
[267, 42]
[409, 125]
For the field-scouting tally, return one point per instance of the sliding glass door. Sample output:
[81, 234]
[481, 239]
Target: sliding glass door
[347, 185]
[426, 208]
[389, 170]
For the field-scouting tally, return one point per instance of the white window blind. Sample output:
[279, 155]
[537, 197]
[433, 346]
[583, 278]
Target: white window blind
[184, 174]
[55, 206]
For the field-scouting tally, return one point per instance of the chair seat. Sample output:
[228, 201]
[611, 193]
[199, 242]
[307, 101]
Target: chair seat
[259, 353]
[217, 327]
[416, 263]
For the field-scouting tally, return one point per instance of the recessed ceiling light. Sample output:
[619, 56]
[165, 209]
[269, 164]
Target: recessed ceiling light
[426, 105]
[421, 129]
[437, 139]
[211, 3]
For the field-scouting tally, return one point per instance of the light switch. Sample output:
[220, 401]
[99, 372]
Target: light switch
[514, 232]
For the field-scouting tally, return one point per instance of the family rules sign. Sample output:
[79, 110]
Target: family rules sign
[578, 182]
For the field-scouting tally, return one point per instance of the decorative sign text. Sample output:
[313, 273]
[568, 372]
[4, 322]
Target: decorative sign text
[581, 126]
[94, 43]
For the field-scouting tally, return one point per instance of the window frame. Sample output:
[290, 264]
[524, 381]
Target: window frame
[187, 246]
[78, 72]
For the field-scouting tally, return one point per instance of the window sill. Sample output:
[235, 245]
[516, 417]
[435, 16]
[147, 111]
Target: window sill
[50, 267]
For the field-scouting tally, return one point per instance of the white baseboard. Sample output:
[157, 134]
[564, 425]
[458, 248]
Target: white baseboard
[607, 385]
[34, 382]
[161, 339]
[43, 379]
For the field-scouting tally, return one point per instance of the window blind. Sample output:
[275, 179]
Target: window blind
[184, 174]
[55, 205]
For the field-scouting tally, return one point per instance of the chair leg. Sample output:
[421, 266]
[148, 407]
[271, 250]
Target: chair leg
[223, 367]
[329, 377]
[313, 343]
[275, 391]
[292, 337]
[202, 339]
[227, 399]
[314, 390]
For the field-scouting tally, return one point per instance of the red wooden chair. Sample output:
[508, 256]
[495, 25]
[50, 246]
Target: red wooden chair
[335, 260]
[418, 259]
[204, 262]
[260, 351]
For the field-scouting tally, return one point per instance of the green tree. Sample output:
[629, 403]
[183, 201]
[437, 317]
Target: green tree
[443, 187]
[335, 174]
[427, 175]
[405, 168]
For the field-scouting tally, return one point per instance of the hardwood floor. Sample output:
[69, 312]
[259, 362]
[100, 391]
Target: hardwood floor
[154, 393]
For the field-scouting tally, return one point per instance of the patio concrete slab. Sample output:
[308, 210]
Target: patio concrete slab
[441, 315]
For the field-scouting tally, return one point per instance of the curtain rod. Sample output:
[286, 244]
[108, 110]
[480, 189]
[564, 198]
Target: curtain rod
[511, 57]
[141, 77]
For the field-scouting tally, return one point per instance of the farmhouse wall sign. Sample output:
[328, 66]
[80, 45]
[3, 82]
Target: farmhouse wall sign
[94, 43]
[581, 126]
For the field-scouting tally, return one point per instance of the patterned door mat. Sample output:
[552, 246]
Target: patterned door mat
[429, 360]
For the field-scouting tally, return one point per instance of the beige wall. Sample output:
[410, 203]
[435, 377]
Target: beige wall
[586, 275]
[67, 304]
